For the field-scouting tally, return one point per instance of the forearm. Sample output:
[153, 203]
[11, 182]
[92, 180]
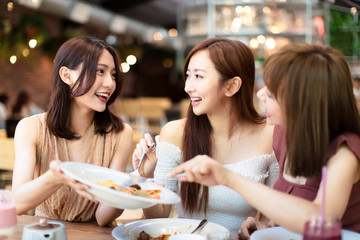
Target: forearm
[32, 193]
[105, 215]
[283, 209]
[157, 211]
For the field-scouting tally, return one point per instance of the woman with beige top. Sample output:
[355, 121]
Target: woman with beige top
[79, 127]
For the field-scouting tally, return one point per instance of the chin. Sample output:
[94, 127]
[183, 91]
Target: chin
[271, 122]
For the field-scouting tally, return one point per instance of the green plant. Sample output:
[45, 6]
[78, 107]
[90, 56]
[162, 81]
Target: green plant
[342, 32]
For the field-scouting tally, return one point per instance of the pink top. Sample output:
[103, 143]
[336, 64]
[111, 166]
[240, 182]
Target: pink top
[351, 217]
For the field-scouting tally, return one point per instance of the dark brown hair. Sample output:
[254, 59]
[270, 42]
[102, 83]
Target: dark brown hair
[313, 84]
[231, 59]
[83, 50]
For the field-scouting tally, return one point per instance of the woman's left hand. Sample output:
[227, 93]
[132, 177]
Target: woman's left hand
[202, 169]
[79, 187]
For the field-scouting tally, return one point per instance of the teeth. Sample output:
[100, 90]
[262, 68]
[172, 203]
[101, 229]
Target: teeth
[102, 95]
[195, 99]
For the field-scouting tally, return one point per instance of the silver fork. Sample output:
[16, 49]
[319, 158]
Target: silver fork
[143, 156]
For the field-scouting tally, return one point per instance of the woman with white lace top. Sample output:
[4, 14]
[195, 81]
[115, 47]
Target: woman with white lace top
[221, 122]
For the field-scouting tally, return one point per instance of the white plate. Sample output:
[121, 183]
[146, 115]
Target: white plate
[88, 173]
[157, 226]
[280, 233]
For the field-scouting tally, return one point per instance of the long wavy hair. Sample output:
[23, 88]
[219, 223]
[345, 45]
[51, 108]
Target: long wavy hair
[231, 59]
[313, 84]
[83, 50]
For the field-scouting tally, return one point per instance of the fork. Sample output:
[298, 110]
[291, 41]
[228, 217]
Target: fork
[143, 156]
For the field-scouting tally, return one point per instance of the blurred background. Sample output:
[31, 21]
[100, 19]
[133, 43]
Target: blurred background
[153, 37]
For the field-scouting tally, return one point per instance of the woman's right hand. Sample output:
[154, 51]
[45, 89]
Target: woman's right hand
[251, 225]
[146, 145]
[59, 176]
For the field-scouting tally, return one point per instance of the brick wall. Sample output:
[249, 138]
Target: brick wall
[32, 74]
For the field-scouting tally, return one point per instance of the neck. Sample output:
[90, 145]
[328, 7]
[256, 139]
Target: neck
[81, 120]
[224, 125]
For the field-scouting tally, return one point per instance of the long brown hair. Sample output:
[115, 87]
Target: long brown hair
[231, 59]
[71, 54]
[313, 84]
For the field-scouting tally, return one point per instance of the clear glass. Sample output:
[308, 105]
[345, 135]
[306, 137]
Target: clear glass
[329, 230]
[7, 214]
[219, 235]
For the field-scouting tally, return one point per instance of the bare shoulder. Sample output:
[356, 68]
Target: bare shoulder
[26, 129]
[127, 129]
[264, 132]
[126, 134]
[173, 132]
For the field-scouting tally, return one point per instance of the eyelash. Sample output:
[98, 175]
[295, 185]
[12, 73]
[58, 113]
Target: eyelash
[196, 76]
[113, 75]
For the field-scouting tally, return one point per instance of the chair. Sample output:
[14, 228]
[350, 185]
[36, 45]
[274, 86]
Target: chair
[7, 161]
[7, 154]
[153, 111]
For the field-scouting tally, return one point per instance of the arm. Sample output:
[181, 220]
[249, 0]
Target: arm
[171, 133]
[286, 210]
[29, 192]
[105, 214]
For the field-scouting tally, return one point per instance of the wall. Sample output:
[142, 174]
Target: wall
[32, 74]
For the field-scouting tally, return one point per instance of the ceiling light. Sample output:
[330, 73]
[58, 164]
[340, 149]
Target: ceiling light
[80, 12]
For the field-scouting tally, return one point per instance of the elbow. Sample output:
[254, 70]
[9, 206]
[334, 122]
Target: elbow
[20, 211]
[103, 223]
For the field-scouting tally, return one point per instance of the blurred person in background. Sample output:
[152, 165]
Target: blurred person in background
[24, 106]
[3, 109]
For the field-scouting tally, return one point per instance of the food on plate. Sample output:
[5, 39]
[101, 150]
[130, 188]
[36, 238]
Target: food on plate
[109, 184]
[133, 189]
[145, 236]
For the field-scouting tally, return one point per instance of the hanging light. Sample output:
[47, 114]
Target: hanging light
[131, 59]
[125, 67]
[13, 59]
[10, 6]
[32, 43]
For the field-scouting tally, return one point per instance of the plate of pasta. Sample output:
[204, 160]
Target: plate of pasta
[162, 228]
[106, 186]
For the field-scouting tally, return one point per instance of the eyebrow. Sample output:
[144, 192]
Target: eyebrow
[104, 65]
[198, 70]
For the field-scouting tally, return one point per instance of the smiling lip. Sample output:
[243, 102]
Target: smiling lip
[195, 100]
[103, 96]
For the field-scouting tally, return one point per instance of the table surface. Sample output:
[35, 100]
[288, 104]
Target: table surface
[73, 230]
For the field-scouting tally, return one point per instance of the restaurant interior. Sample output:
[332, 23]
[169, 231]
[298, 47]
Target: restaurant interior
[153, 38]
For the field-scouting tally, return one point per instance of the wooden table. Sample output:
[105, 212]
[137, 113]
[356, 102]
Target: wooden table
[74, 231]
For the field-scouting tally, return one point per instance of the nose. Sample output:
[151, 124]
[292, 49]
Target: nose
[188, 86]
[109, 81]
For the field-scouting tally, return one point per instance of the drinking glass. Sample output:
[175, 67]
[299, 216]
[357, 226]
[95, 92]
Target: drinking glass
[330, 229]
[219, 235]
[7, 214]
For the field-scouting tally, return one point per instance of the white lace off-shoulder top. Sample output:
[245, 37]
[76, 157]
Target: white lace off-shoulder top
[225, 207]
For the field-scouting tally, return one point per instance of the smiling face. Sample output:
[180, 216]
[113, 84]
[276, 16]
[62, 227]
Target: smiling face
[202, 84]
[102, 89]
[273, 111]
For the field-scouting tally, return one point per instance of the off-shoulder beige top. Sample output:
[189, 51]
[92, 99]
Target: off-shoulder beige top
[66, 204]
